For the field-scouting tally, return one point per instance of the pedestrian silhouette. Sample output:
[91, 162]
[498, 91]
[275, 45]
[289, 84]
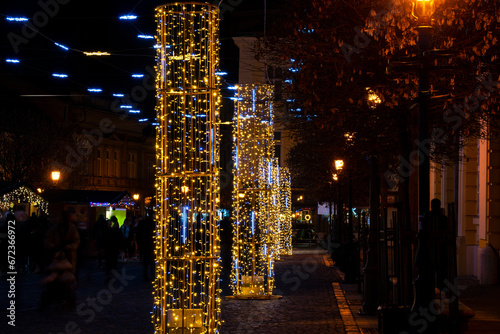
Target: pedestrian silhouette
[145, 234]
[113, 241]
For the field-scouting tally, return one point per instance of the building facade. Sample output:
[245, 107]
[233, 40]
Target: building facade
[474, 184]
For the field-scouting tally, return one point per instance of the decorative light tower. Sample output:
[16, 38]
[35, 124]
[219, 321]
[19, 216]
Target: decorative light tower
[252, 271]
[285, 212]
[187, 245]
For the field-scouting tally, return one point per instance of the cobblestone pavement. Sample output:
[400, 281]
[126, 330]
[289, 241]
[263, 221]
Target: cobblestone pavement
[308, 304]
[122, 307]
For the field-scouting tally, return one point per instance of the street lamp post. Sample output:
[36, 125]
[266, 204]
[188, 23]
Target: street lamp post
[424, 9]
[337, 228]
[424, 285]
[350, 268]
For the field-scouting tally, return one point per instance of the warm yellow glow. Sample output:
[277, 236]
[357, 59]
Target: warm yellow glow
[373, 98]
[23, 195]
[335, 177]
[423, 8]
[300, 198]
[135, 197]
[339, 164]
[56, 175]
[40, 190]
[97, 53]
[257, 197]
[186, 287]
[285, 212]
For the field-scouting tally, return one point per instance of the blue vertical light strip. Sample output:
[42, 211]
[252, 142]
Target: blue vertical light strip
[235, 270]
[252, 219]
[253, 100]
[269, 172]
[163, 65]
[236, 159]
[212, 146]
[184, 223]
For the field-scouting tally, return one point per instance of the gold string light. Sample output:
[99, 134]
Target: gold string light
[23, 195]
[253, 247]
[186, 287]
[285, 212]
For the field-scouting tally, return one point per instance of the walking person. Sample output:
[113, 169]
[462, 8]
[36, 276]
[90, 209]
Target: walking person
[127, 238]
[61, 242]
[145, 239]
[98, 232]
[113, 241]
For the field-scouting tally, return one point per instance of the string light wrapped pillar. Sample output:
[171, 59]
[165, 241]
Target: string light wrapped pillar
[275, 208]
[267, 218]
[286, 211]
[187, 246]
[253, 139]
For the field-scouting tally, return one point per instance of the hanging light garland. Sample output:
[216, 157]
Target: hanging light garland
[23, 195]
[253, 255]
[187, 244]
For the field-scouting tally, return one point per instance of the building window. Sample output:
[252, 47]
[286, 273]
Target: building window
[116, 164]
[98, 163]
[277, 153]
[277, 146]
[132, 165]
[107, 166]
[151, 171]
[84, 166]
[277, 137]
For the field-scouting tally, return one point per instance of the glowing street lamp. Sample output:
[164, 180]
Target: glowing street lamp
[135, 197]
[423, 9]
[56, 175]
[339, 165]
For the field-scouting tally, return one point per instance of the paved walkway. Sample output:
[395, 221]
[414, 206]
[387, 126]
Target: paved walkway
[122, 307]
[313, 301]
[303, 279]
[308, 304]
[485, 301]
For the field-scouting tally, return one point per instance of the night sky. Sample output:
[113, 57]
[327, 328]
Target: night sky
[94, 25]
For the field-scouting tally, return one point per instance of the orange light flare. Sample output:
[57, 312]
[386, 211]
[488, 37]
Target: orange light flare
[423, 9]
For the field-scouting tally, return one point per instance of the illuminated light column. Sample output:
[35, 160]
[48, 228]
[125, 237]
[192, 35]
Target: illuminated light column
[187, 245]
[269, 210]
[253, 137]
[275, 208]
[286, 211]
